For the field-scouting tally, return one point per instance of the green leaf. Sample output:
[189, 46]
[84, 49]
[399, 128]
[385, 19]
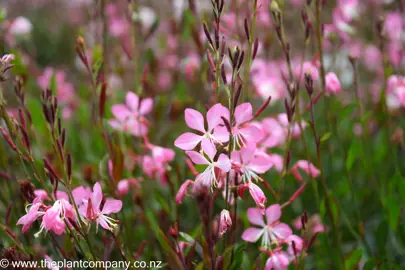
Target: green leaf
[189, 239]
[394, 211]
[370, 264]
[354, 152]
[326, 136]
[352, 261]
[227, 256]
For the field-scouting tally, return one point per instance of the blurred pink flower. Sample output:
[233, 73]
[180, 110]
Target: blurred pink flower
[130, 117]
[54, 218]
[332, 83]
[307, 167]
[183, 190]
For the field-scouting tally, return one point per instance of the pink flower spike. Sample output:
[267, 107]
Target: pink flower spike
[225, 222]
[307, 167]
[332, 83]
[183, 191]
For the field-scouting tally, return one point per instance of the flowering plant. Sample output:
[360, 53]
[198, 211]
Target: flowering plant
[261, 134]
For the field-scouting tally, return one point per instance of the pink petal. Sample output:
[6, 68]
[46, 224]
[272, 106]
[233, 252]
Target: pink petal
[282, 231]
[80, 194]
[146, 106]
[121, 112]
[278, 261]
[208, 148]
[251, 133]
[243, 113]
[97, 196]
[223, 163]
[138, 129]
[261, 163]
[273, 213]
[247, 153]
[103, 223]
[252, 234]
[196, 157]
[115, 124]
[221, 134]
[112, 206]
[132, 101]
[255, 216]
[187, 141]
[214, 116]
[194, 119]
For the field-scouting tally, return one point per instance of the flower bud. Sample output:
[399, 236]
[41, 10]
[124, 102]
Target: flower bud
[225, 222]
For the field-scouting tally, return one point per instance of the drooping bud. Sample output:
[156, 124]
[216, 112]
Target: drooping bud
[225, 222]
[183, 190]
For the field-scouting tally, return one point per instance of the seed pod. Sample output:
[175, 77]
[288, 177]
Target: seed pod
[207, 34]
[255, 48]
[247, 30]
[8, 139]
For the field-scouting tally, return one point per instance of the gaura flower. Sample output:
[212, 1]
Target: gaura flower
[93, 210]
[195, 120]
[250, 163]
[307, 167]
[277, 261]
[272, 232]
[130, 117]
[208, 178]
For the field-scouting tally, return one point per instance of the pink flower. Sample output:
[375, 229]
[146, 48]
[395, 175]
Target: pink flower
[20, 26]
[81, 194]
[94, 211]
[225, 222]
[130, 117]
[183, 190]
[308, 68]
[250, 163]
[272, 232]
[7, 58]
[124, 185]
[208, 178]
[43, 195]
[277, 261]
[54, 218]
[307, 167]
[395, 92]
[243, 131]
[256, 193]
[195, 120]
[332, 83]
[32, 214]
[298, 242]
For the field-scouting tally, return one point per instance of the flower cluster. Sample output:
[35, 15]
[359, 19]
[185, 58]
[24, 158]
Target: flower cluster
[90, 204]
